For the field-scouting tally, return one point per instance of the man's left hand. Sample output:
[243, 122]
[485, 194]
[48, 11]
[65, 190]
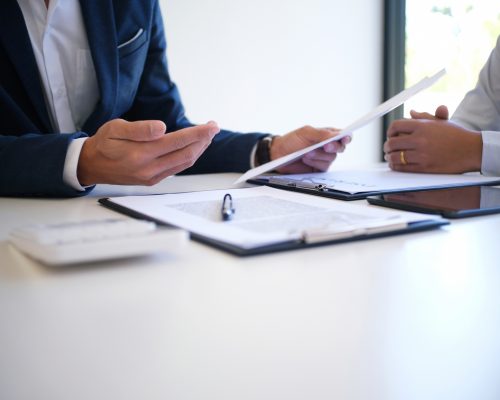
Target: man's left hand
[319, 159]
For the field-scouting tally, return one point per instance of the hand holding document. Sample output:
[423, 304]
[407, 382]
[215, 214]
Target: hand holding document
[379, 111]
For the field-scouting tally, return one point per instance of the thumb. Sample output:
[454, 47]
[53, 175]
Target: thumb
[319, 134]
[137, 131]
[442, 112]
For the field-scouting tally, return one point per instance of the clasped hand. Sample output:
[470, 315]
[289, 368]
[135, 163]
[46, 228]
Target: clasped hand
[433, 144]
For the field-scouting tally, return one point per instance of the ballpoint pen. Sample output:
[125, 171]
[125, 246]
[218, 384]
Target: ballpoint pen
[227, 210]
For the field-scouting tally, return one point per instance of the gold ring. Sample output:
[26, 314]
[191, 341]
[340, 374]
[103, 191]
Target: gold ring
[402, 157]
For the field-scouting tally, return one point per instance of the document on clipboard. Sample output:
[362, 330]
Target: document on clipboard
[377, 112]
[359, 184]
[266, 220]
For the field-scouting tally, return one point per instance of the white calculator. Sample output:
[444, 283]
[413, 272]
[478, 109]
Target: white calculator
[95, 240]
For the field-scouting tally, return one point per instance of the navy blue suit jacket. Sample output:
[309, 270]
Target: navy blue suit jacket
[133, 81]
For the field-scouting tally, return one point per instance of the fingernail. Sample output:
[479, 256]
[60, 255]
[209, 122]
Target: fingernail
[330, 148]
[158, 127]
[214, 128]
[346, 140]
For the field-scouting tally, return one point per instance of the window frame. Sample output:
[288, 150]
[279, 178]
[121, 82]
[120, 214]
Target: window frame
[394, 57]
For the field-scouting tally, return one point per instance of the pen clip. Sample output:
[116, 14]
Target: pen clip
[227, 210]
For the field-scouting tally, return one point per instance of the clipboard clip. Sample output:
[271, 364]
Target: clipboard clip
[309, 185]
[344, 231]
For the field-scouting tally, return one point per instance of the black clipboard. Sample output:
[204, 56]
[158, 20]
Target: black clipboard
[321, 190]
[282, 246]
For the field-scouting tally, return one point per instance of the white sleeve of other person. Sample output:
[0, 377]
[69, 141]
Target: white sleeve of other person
[480, 110]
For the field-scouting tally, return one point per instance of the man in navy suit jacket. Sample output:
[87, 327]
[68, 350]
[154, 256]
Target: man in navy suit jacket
[138, 103]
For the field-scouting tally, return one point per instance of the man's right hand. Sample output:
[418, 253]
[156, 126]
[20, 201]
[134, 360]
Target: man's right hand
[139, 153]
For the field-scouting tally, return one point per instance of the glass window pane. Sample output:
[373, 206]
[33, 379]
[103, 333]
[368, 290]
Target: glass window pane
[456, 34]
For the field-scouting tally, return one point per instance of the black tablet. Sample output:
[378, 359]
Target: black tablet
[450, 203]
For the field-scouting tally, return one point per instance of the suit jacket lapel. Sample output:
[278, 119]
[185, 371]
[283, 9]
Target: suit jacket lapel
[98, 16]
[15, 38]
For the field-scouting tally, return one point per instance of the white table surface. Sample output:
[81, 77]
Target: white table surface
[408, 317]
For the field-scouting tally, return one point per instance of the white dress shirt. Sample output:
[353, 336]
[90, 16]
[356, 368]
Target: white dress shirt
[67, 73]
[480, 110]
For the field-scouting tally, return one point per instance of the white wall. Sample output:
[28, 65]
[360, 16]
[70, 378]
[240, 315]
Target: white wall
[275, 65]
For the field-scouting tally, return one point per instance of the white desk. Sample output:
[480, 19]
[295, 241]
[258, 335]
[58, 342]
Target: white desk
[409, 317]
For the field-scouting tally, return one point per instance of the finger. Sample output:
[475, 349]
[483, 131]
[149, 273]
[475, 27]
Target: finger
[137, 131]
[297, 167]
[145, 177]
[167, 173]
[442, 112]
[317, 164]
[395, 157]
[332, 130]
[346, 140]
[158, 157]
[421, 115]
[405, 168]
[337, 146]
[320, 155]
[173, 141]
[334, 147]
[314, 135]
[177, 160]
[398, 143]
[403, 126]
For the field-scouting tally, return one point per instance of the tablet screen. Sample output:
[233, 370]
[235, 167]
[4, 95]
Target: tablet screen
[466, 200]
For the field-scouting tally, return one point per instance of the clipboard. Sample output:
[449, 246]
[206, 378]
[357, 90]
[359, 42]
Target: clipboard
[300, 244]
[406, 182]
[308, 238]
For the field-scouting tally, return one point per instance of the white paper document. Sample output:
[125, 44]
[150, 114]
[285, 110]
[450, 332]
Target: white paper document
[376, 180]
[265, 216]
[377, 112]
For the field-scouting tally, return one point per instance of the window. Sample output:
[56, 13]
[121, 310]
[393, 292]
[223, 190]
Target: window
[456, 34]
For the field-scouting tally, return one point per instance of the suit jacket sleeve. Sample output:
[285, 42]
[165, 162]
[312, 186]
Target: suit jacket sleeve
[33, 164]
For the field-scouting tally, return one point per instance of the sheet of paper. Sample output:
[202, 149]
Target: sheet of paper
[263, 215]
[359, 181]
[377, 112]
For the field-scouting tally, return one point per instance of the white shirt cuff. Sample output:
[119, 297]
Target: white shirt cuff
[490, 164]
[252, 155]
[70, 177]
